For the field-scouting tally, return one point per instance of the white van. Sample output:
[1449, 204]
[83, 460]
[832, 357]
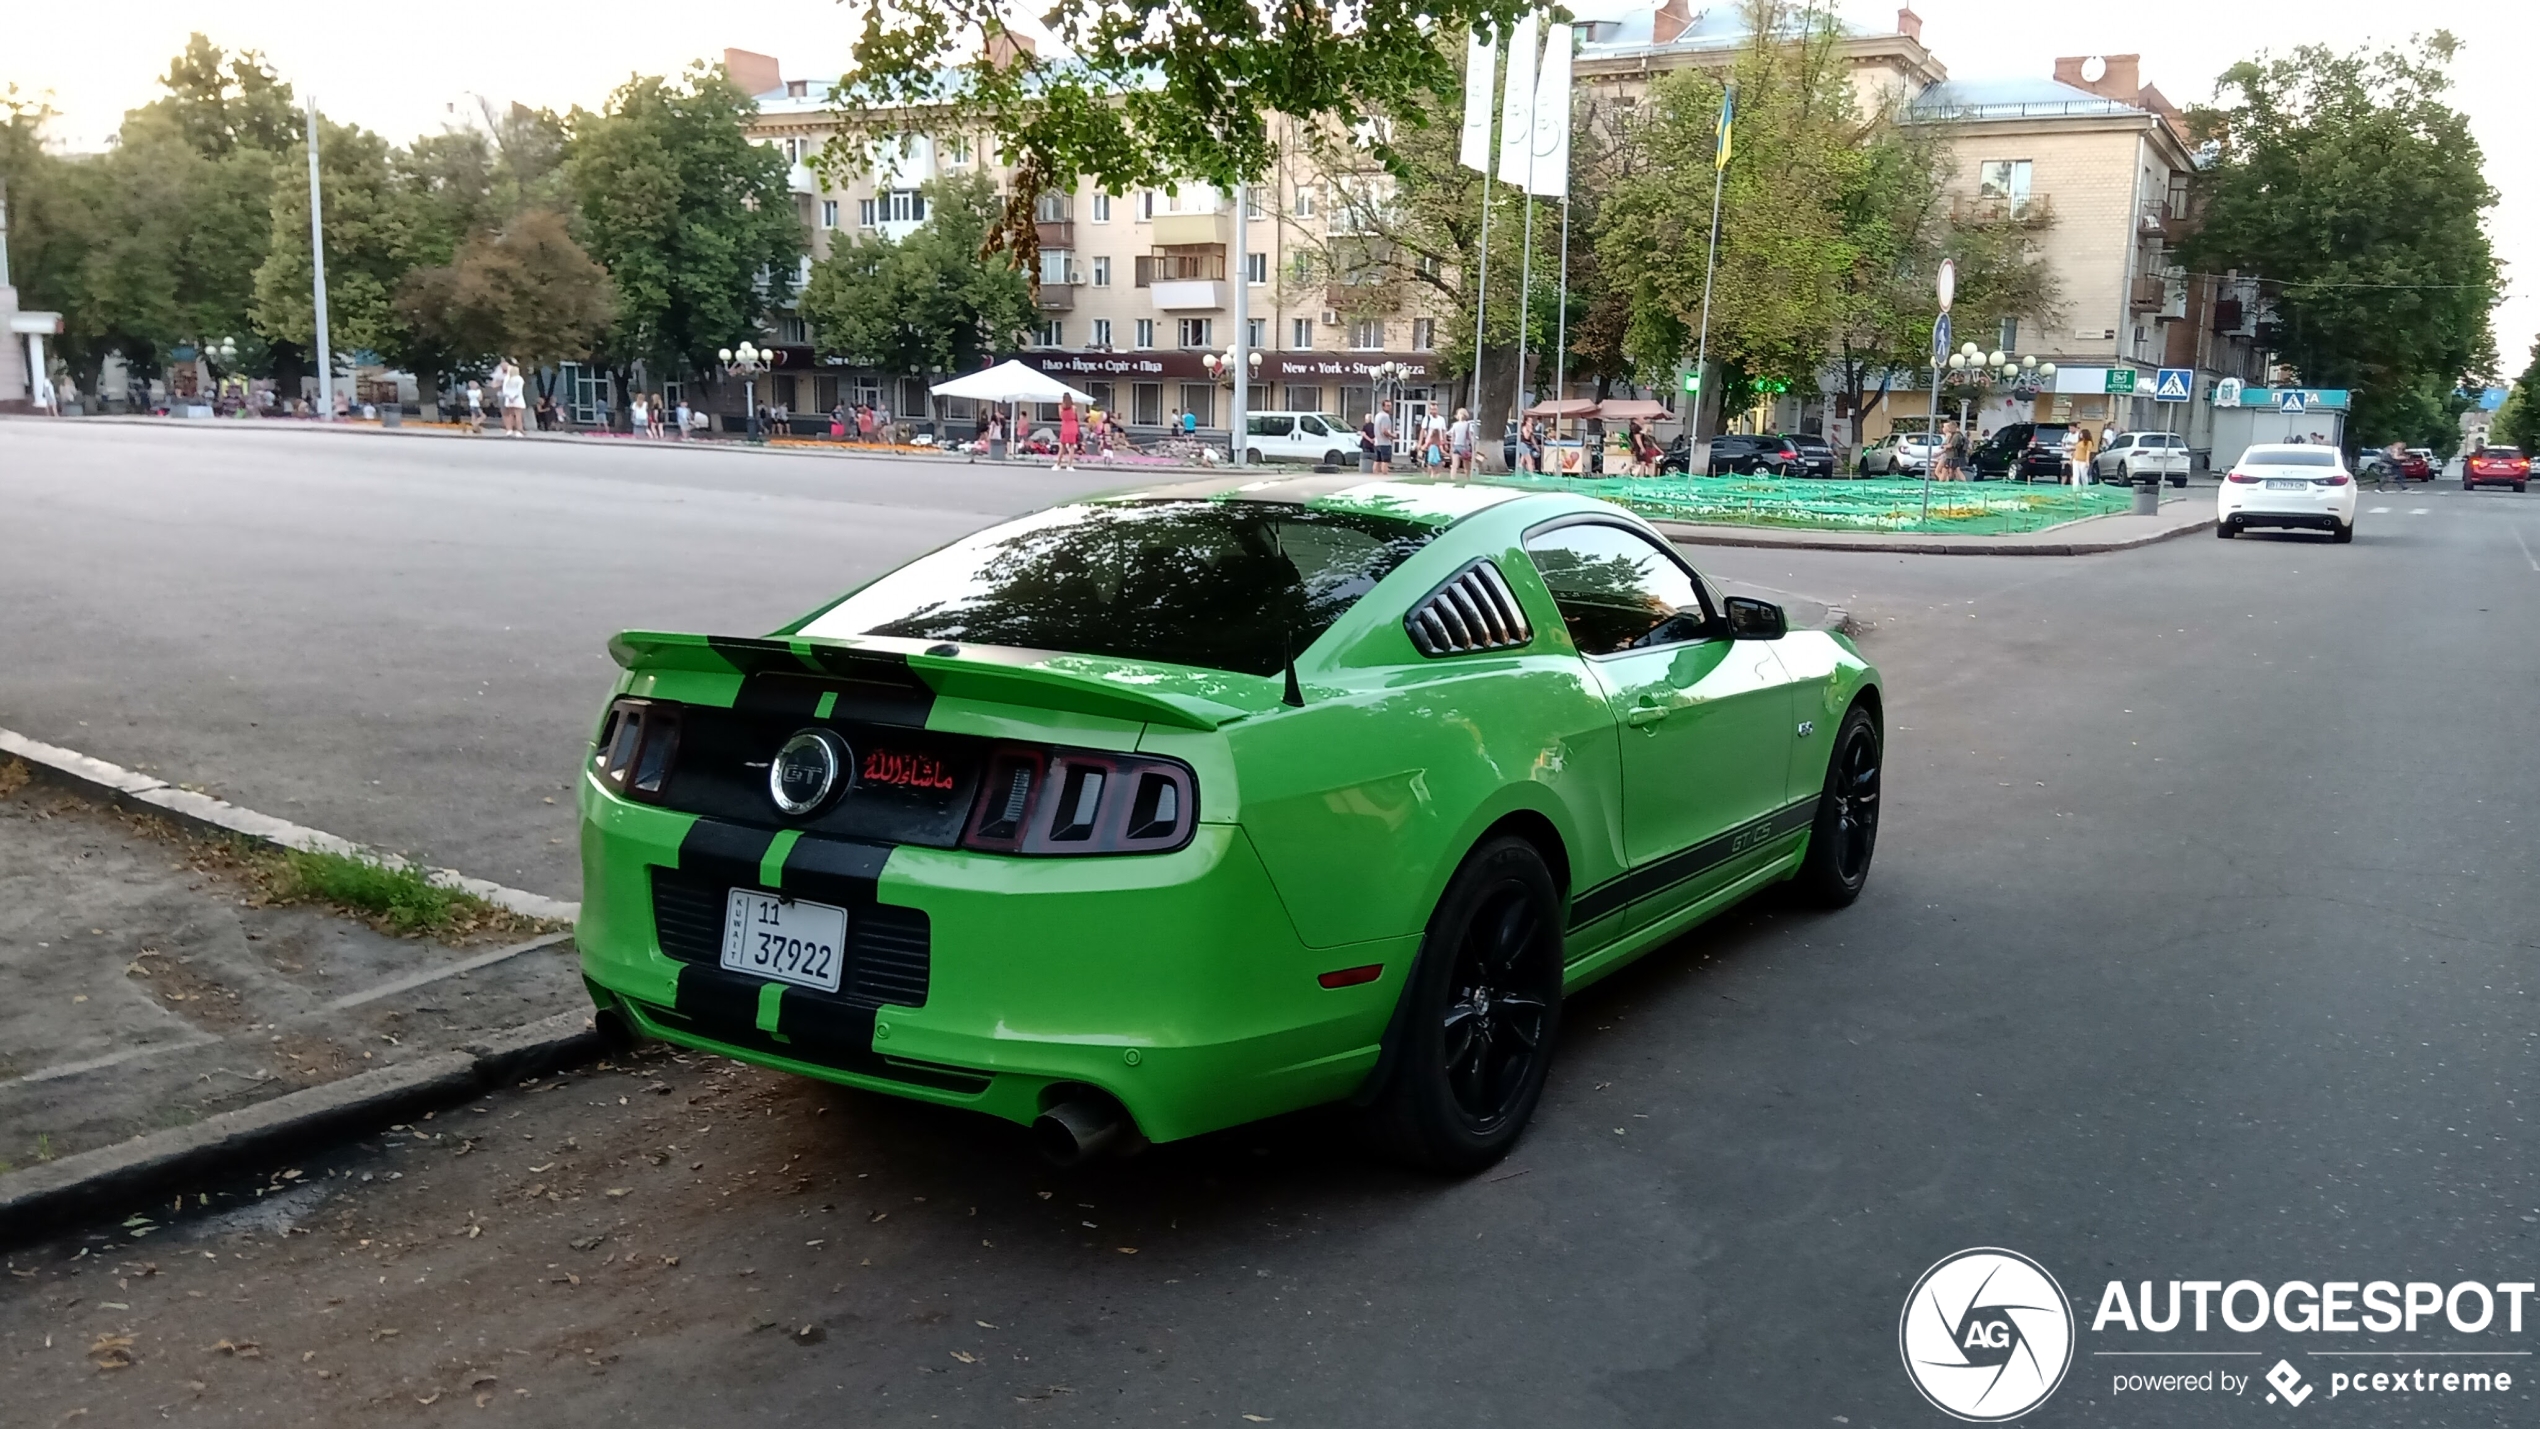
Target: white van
[1301, 436]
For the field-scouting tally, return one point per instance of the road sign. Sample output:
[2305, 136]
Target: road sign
[2120, 382]
[1948, 284]
[2173, 385]
[2290, 400]
[2227, 392]
[1940, 339]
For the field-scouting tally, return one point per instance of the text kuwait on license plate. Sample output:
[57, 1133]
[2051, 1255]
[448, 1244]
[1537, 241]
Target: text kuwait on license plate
[785, 939]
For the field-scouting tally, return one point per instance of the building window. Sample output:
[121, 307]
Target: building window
[898, 206]
[829, 213]
[1301, 267]
[864, 214]
[1058, 265]
[1102, 332]
[1102, 208]
[2004, 181]
[955, 149]
[1146, 332]
[1194, 332]
[1256, 268]
[1146, 403]
[792, 330]
[1146, 204]
[1424, 334]
[1305, 399]
[1051, 334]
[1102, 272]
[1303, 207]
[1200, 400]
[1301, 334]
[2009, 338]
[1256, 332]
[1431, 266]
[1050, 208]
[1367, 335]
[1101, 393]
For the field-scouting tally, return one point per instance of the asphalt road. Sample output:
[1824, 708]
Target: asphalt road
[2199, 947]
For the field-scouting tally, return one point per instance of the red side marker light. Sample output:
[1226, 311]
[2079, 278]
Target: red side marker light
[1352, 977]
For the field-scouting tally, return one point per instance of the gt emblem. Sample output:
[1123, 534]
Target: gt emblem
[1807, 727]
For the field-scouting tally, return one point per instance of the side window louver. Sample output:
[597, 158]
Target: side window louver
[1472, 612]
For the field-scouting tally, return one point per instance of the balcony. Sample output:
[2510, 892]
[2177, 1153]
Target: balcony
[1175, 230]
[1188, 295]
[1059, 234]
[1056, 297]
[801, 179]
[1369, 296]
[1181, 264]
[2147, 295]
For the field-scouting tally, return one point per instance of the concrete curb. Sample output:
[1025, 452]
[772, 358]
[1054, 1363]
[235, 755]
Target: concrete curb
[93, 1182]
[1692, 535]
[145, 794]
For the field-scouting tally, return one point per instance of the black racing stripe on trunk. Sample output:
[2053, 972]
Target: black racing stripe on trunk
[796, 695]
[1656, 876]
[730, 852]
[752, 657]
[715, 999]
[835, 870]
[826, 1029]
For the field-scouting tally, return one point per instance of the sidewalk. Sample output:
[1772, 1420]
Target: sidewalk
[2182, 513]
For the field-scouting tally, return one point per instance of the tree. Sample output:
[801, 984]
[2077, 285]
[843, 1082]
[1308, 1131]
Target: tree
[1145, 92]
[376, 231]
[929, 303]
[2517, 423]
[693, 222]
[2346, 182]
[528, 293]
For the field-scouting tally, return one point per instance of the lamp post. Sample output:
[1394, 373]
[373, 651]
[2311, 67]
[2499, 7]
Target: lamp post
[1973, 364]
[746, 362]
[1222, 366]
[217, 355]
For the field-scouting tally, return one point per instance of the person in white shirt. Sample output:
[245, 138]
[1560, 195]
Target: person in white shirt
[1460, 440]
[515, 399]
[475, 409]
[637, 414]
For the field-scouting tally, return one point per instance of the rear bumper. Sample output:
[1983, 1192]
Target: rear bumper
[1173, 982]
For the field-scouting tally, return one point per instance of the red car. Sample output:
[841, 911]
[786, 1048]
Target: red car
[2418, 464]
[2495, 466]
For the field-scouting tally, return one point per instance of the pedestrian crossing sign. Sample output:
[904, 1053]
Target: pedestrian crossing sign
[2290, 400]
[2173, 385]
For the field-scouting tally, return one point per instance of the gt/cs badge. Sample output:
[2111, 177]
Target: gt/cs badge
[808, 770]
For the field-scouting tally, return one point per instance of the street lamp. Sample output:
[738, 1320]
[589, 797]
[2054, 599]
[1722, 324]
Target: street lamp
[1221, 367]
[747, 362]
[217, 355]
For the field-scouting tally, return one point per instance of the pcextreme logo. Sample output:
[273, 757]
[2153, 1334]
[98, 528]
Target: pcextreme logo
[1986, 1335]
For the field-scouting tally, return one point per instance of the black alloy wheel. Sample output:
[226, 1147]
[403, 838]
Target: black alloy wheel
[1846, 833]
[1473, 1035]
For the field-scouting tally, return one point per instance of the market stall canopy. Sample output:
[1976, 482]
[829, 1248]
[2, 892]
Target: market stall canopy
[1563, 410]
[1010, 382]
[1632, 409]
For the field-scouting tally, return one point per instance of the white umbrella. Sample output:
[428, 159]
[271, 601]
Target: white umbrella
[1010, 382]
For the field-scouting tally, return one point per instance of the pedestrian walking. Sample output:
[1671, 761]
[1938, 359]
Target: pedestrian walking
[2083, 449]
[683, 419]
[1460, 438]
[515, 399]
[639, 414]
[1382, 423]
[475, 408]
[1071, 436]
[882, 424]
[1530, 445]
[1953, 453]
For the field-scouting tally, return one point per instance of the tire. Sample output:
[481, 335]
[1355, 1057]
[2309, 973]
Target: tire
[1846, 833]
[2344, 535]
[2224, 530]
[2179, 481]
[2468, 485]
[1333, 458]
[1252, 456]
[1460, 1081]
[2519, 485]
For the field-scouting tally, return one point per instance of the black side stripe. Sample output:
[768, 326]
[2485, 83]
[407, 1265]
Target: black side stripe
[835, 870]
[728, 852]
[1658, 875]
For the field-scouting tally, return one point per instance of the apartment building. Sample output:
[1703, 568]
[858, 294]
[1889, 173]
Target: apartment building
[1136, 288]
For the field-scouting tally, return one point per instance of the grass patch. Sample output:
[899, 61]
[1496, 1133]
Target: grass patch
[394, 899]
[1986, 508]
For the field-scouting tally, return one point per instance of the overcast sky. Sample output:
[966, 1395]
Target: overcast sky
[399, 70]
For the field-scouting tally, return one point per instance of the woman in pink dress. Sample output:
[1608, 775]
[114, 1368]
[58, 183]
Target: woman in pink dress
[1070, 434]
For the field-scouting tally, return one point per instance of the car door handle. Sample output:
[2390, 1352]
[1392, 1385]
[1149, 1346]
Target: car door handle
[1645, 715]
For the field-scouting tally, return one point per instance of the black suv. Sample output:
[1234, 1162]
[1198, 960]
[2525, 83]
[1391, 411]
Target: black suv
[2025, 451]
[1768, 454]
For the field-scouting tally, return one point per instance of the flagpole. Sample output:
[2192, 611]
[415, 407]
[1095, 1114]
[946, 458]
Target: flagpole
[1481, 294]
[1702, 348]
[1525, 291]
[1561, 330]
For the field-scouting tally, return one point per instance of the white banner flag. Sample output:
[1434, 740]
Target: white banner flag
[1480, 66]
[1517, 105]
[1551, 140]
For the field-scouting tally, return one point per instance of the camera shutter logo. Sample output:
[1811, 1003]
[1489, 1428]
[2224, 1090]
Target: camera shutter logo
[1986, 1335]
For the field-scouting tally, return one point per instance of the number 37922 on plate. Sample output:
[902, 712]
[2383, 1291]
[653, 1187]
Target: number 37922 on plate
[785, 939]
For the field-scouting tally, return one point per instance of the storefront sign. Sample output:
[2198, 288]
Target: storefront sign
[1352, 368]
[1119, 366]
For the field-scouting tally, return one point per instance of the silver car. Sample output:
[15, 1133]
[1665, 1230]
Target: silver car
[1898, 454]
[2129, 455]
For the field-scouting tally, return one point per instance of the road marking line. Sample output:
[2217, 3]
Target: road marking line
[415, 980]
[114, 1059]
[2377, 511]
[2526, 547]
[2419, 510]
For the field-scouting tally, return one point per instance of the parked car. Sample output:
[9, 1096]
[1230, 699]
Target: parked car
[2129, 455]
[1764, 454]
[2302, 487]
[2024, 451]
[1816, 457]
[2495, 466]
[1898, 454]
[2420, 464]
[1317, 437]
[1677, 459]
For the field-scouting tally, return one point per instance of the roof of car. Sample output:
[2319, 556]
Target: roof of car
[1436, 503]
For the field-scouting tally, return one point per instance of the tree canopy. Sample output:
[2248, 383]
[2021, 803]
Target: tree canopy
[926, 303]
[2346, 182]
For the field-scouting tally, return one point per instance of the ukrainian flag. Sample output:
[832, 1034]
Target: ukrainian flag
[1728, 122]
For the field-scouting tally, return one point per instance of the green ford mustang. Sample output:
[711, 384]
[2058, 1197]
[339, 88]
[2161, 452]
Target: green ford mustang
[1158, 813]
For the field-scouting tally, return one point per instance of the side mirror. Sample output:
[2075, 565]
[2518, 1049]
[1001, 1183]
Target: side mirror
[1752, 619]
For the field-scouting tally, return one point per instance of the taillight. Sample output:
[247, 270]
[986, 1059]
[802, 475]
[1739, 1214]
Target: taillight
[2338, 480]
[1081, 801]
[639, 741]
[2244, 478]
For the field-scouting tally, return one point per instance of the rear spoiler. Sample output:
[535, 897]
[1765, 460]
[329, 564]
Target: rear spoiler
[1007, 677]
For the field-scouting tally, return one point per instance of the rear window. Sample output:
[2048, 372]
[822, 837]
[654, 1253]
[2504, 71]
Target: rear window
[2289, 456]
[2501, 453]
[1224, 585]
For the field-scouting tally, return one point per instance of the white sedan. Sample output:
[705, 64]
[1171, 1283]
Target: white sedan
[2302, 487]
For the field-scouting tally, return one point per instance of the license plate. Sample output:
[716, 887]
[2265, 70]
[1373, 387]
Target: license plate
[2288, 486]
[785, 939]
